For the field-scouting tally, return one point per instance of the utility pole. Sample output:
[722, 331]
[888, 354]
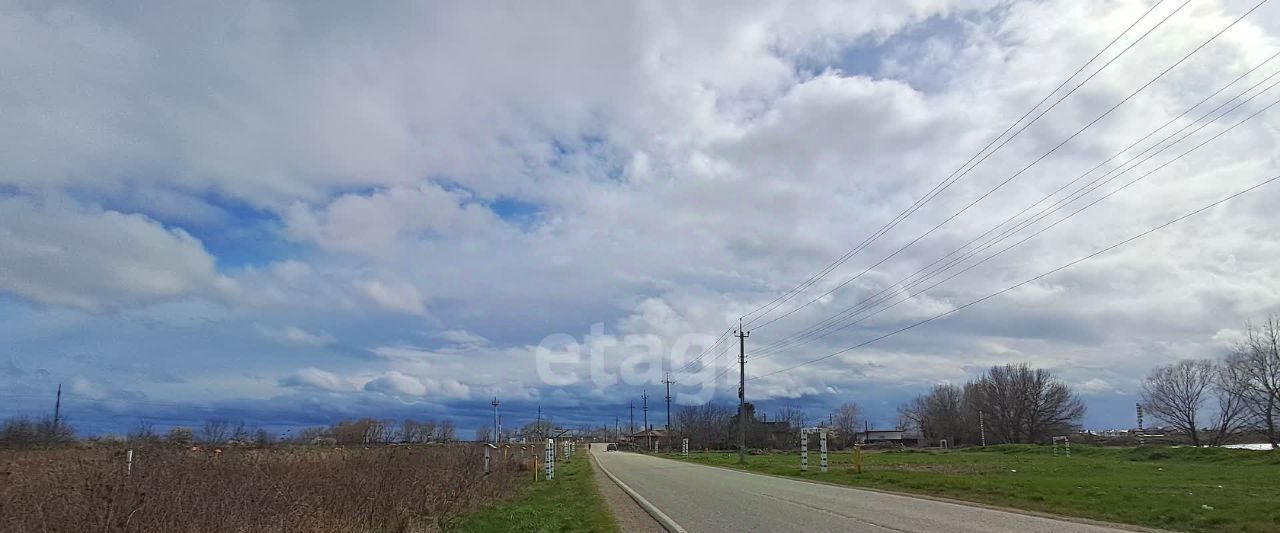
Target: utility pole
[668, 383]
[742, 393]
[644, 397]
[617, 430]
[631, 427]
[58, 409]
[495, 403]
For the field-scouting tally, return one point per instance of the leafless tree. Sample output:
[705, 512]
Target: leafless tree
[214, 431]
[1254, 368]
[538, 430]
[937, 415]
[846, 419]
[484, 433]
[1177, 393]
[179, 437]
[240, 433]
[794, 417]
[706, 426]
[1023, 404]
[445, 432]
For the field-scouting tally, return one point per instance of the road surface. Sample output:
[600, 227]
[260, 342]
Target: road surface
[706, 498]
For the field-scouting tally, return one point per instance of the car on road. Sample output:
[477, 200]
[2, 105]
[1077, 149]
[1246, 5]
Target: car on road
[611, 447]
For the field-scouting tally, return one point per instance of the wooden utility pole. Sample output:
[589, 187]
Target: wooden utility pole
[742, 393]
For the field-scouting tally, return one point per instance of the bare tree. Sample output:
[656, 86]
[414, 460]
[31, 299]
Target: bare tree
[538, 430]
[1177, 393]
[1255, 369]
[706, 425]
[845, 419]
[484, 433]
[214, 431]
[1023, 404]
[179, 437]
[445, 432]
[937, 415]
[143, 434]
[795, 418]
[240, 433]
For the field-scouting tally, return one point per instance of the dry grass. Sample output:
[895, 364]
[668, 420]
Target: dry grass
[278, 490]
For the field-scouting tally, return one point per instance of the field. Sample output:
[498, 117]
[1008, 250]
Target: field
[389, 489]
[570, 502]
[1186, 489]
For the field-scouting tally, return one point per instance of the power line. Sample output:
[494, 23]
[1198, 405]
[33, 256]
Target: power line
[1000, 185]
[705, 351]
[1031, 280]
[953, 177]
[811, 333]
[1042, 230]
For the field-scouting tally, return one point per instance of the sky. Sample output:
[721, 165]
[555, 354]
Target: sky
[290, 213]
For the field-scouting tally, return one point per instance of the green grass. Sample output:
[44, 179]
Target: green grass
[1187, 489]
[570, 502]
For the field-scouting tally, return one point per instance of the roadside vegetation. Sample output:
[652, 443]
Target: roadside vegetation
[281, 489]
[570, 502]
[1186, 489]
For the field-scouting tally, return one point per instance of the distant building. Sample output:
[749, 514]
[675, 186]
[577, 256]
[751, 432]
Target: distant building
[899, 437]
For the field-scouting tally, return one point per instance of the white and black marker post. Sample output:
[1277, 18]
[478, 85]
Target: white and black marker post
[128, 463]
[822, 443]
[804, 449]
[549, 465]
[684, 447]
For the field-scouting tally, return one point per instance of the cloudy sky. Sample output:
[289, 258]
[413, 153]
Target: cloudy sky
[294, 213]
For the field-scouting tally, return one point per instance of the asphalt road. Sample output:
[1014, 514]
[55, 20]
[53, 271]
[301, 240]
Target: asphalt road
[705, 498]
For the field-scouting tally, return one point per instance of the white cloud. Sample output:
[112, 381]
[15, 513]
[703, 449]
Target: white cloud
[298, 336]
[62, 254]
[380, 223]
[401, 297]
[318, 379]
[462, 337]
[396, 383]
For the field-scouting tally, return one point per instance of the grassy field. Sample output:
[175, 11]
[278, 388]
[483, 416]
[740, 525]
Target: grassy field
[1187, 489]
[391, 489]
[570, 502]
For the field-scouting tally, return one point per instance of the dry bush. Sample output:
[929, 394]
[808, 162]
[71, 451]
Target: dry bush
[383, 489]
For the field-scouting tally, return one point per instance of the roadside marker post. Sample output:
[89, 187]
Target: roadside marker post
[128, 463]
[549, 464]
[822, 446]
[486, 460]
[857, 458]
[1067, 445]
[804, 449]
[684, 447]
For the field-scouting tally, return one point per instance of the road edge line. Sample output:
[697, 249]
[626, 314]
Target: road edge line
[657, 514]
